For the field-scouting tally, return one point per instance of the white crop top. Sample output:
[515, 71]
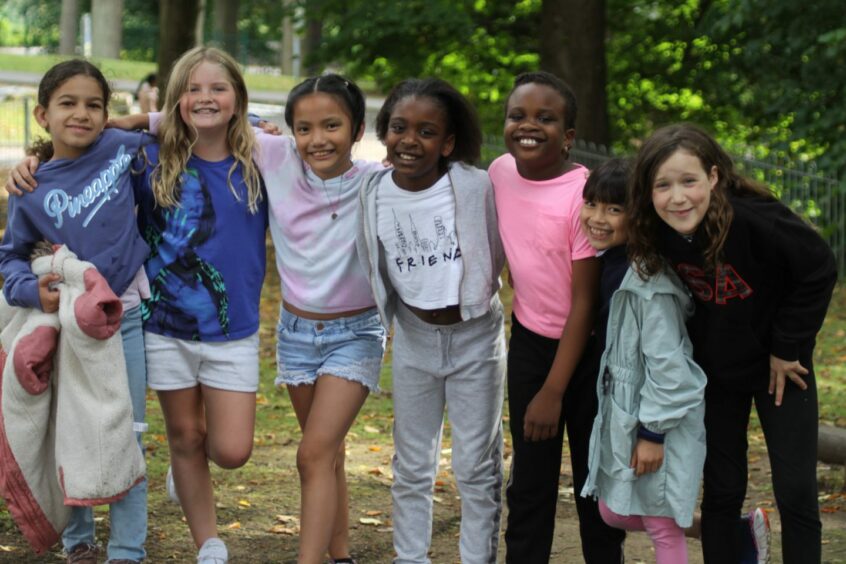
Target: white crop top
[417, 231]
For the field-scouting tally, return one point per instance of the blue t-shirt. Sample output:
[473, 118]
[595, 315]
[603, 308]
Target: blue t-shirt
[86, 203]
[207, 258]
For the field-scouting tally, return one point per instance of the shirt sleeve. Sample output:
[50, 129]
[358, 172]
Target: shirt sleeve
[20, 284]
[810, 272]
[674, 384]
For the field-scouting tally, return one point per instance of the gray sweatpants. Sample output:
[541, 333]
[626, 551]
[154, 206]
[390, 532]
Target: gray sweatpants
[460, 367]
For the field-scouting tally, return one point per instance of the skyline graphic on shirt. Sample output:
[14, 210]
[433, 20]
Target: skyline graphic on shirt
[429, 245]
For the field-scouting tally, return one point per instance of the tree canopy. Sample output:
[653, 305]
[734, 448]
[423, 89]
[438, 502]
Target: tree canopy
[767, 76]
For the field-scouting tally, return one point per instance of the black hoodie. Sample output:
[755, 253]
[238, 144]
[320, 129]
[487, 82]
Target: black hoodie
[769, 296]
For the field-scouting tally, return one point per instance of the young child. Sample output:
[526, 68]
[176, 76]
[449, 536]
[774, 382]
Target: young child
[205, 218]
[330, 337]
[555, 277]
[647, 447]
[86, 202]
[429, 241]
[762, 280]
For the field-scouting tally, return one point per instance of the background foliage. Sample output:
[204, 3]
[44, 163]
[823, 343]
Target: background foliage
[768, 76]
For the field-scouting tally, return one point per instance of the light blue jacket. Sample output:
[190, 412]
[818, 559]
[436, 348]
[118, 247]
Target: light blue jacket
[648, 378]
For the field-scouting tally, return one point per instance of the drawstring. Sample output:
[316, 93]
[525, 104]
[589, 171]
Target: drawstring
[444, 344]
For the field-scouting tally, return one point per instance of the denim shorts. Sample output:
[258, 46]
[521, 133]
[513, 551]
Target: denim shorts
[346, 347]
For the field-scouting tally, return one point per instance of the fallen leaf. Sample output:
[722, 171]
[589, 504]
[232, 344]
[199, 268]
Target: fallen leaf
[377, 471]
[373, 513]
[372, 429]
[369, 521]
[374, 448]
[244, 503]
[235, 525]
[240, 488]
[7, 548]
[437, 499]
[283, 530]
[287, 519]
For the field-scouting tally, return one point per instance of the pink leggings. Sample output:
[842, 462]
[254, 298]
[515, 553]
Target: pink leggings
[666, 535]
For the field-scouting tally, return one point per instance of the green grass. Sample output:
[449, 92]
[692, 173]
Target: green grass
[116, 69]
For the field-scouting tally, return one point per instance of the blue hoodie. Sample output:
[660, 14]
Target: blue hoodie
[86, 203]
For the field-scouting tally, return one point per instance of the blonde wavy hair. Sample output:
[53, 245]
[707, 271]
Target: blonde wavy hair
[177, 138]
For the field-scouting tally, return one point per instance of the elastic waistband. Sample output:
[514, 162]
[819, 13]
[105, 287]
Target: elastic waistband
[294, 322]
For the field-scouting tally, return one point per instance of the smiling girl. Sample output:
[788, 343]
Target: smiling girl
[429, 241]
[84, 160]
[205, 218]
[761, 279]
[551, 375]
[647, 446]
[330, 340]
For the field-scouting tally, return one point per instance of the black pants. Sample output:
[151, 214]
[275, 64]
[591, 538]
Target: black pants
[532, 491]
[790, 431]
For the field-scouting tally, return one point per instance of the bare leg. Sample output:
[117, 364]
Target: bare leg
[326, 412]
[205, 423]
[695, 530]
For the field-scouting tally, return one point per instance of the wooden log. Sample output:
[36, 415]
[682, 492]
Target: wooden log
[832, 445]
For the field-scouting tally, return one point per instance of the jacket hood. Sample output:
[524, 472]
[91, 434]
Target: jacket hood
[665, 282]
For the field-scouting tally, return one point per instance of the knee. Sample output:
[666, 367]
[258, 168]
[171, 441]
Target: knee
[186, 441]
[231, 457]
[312, 458]
[664, 532]
[469, 474]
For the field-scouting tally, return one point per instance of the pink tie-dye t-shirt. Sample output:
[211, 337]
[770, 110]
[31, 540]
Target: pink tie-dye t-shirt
[315, 254]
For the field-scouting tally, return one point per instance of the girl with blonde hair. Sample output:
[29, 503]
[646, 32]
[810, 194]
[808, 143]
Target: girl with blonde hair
[205, 219]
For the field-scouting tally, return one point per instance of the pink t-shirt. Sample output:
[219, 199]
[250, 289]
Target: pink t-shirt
[539, 227]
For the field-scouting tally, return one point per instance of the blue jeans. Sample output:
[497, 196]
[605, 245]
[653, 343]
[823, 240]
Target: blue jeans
[128, 517]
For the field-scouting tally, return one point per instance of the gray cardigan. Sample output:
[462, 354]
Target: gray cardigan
[478, 238]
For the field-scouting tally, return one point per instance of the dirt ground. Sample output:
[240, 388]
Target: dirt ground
[258, 517]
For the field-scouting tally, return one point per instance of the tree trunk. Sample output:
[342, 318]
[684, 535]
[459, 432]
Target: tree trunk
[199, 38]
[177, 28]
[68, 27]
[286, 51]
[314, 35]
[572, 46]
[107, 28]
[225, 17]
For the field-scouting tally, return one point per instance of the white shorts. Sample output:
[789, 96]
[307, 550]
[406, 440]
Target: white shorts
[177, 364]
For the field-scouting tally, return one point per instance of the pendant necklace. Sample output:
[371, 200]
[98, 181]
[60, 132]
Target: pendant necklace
[334, 205]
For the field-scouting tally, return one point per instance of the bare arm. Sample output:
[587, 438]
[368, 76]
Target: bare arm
[544, 411]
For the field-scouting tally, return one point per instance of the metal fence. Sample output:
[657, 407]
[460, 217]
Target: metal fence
[819, 198]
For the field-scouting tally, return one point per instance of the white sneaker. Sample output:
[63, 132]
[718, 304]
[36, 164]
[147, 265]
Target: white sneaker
[213, 551]
[759, 523]
[170, 485]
